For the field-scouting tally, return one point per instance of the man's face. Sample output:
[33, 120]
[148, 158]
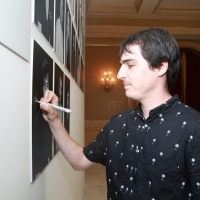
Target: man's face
[61, 11]
[138, 79]
[46, 83]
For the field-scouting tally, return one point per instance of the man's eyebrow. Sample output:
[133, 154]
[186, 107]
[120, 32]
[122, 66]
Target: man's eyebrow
[127, 60]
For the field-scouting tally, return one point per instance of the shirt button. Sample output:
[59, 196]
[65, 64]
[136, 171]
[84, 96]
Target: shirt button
[131, 178]
[160, 115]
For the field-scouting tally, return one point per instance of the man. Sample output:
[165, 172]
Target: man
[153, 151]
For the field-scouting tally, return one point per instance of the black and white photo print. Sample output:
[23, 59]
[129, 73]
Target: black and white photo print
[59, 29]
[67, 38]
[44, 18]
[58, 90]
[41, 133]
[67, 103]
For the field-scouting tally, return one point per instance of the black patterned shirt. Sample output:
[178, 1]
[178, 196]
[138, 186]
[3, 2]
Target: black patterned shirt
[157, 158]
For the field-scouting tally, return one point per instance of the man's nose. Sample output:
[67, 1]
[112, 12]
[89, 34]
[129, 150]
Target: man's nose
[121, 73]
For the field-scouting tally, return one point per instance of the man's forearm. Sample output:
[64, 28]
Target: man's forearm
[72, 151]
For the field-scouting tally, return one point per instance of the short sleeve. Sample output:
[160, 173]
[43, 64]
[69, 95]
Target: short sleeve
[96, 150]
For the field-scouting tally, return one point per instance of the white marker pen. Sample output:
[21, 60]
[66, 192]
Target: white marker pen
[55, 107]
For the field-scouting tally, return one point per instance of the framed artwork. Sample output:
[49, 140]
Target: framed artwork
[59, 29]
[59, 90]
[41, 133]
[44, 18]
[73, 53]
[67, 102]
[68, 34]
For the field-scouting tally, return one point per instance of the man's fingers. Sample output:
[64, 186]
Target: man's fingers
[50, 97]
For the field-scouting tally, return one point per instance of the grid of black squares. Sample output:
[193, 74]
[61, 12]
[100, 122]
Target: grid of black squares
[53, 19]
[61, 22]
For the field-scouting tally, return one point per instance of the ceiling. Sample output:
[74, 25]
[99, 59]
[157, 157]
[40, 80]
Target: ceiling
[108, 22]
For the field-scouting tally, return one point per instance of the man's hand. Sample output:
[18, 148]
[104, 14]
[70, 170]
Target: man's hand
[49, 113]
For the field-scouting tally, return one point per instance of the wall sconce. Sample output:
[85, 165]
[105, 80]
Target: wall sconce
[107, 82]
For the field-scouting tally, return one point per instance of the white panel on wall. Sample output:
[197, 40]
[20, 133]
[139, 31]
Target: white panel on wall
[14, 126]
[15, 26]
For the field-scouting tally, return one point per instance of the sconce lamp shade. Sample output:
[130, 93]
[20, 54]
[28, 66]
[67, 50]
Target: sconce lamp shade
[107, 81]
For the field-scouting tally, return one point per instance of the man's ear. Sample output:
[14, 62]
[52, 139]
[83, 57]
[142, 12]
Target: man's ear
[162, 70]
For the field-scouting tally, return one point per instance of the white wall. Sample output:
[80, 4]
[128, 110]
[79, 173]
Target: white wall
[58, 181]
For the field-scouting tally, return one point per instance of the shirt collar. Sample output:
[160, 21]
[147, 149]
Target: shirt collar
[161, 110]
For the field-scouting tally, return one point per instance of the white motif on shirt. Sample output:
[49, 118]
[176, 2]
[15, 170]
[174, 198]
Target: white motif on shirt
[138, 127]
[168, 132]
[123, 125]
[161, 154]
[116, 194]
[127, 166]
[131, 169]
[94, 141]
[116, 143]
[162, 177]
[127, 135]
[154, 140]
[193, 160]
[162, 120]
[126, 190]
[121, 155]
[115, 175]
[141, 149]
[90, 153]
[183, 184]
[131, 147]
[137, 150]
[119, 116]
[111, 131]
[121, 188]
[191, 137]
[148, 129]
[153, 161]
[177, 169]
[184, 123]
[105, 152]
[177, 114]
[135, 170]
[109, 181]
[131, 192]
[189, 195]
[149, 183]
[110, 162]
[176, 147]
[135, 119]
[198, 184]
[143, 128]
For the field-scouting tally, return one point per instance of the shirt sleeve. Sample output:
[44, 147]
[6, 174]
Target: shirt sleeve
[193, 162]
[96, 150]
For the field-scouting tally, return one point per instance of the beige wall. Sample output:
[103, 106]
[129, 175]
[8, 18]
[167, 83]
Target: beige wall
[101, 104]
